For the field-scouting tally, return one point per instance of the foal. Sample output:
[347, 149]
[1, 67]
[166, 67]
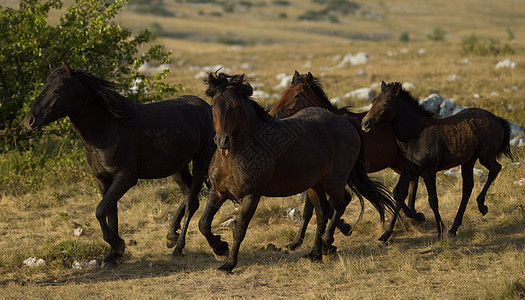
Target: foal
[431, 144]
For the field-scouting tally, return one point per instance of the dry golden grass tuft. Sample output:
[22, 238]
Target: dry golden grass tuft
[485, 260]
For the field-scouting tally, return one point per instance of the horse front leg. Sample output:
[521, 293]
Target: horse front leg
[183, 179]
[494, 168]
[220, 248]
[430, 182]
[107, 216]
[249, 205]
[339, 205]
[468, 184]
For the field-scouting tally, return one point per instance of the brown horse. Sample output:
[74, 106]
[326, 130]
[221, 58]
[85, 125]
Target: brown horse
[430, 144]
[125, 141]
[257, 155]
[381, 149]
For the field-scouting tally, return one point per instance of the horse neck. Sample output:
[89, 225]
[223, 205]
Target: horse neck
[408, 122]
[248, 131]
[92, 122]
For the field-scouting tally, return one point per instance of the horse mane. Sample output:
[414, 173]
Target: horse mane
[100, 90]
[317, 87]
[396, 90]
[220, 82]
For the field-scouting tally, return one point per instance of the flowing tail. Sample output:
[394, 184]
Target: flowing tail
[505, 146]
[362, 186]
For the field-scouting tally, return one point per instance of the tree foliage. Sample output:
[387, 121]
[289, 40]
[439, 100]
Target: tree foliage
[87, 38]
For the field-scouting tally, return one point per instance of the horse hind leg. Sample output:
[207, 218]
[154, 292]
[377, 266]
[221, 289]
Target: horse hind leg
[183, 179]
[200, 170]
[320, 203]
[468, 184]
[430, 181]
[339, 205]
[494, 168]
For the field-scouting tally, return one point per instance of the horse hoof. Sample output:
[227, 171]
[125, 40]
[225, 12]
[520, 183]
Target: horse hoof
[222, 255]
[227, 267]
[314, 256]
[109, 265]
[420, 217]
[483, 209]
[451, 234]
[172, 238]
[346, 229]
[292, 246]
[328, 258]
[121, 247]
[177, 252]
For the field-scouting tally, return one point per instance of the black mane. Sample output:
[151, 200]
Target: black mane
[100, 90]
[396, 89]
[220, 82]
[317, 87]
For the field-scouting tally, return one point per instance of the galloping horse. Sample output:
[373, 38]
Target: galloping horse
[314, 150]
[381, 149]
[125, 141]
[431, 144]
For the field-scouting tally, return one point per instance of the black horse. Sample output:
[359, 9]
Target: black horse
[125, 141]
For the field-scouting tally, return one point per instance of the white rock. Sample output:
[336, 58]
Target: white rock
[258, 94]
[284, 83]
[447, 108]
[422, 51]
[79, 231]
[230, 223]
[246, 66]
[432, 102]
[458, 109]
[466, 61]
[163, 67]
[363, 94]
[307, 65]
[452, 173]
[34, 262]
[409, 86]
[515, 130]
[361, 73]
[336, 101]
[360, 58]
[93, 263]
[452, 77]
[507, 63]
[79, 265]
[145, 68]
[404, 51]
[201, 75]
[480, 174]
[517, 142]
[520, 182]
[293, 214]
[494, 94]
[280, 76]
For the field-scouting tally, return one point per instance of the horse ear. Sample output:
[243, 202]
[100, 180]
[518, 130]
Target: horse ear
[50, 66]
[296, 76]
[383, 86]
[309, 79]
[67, 69]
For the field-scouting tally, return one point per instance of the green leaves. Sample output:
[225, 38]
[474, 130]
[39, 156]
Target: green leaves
[87, 38]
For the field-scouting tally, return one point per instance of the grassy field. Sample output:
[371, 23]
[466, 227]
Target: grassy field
[47, 194]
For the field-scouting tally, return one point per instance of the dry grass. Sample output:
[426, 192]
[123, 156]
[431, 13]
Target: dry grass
[486, 260]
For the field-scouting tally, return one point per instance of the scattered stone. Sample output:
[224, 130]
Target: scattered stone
[361, 73]
[517, 142]
[293, 214]
[336, 101]
[515, 130]
[432, 103]
[285, 81]
[260, 95]
[230, 223]
[363, 94]
[447, 108]
[360, 58]
[520, 182]
[507, 63]
[409, 86]
[452, 77]
[79, 231]
[34, 262]
[421, 51]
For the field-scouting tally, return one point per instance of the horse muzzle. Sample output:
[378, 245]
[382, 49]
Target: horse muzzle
[223, 144]
[367, 124]
[32, 122]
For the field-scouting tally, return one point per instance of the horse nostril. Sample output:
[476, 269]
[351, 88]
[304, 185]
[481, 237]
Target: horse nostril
[31, 121]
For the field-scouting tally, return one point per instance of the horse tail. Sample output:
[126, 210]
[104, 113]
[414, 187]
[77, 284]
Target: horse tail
[362, 186]
[505, 146]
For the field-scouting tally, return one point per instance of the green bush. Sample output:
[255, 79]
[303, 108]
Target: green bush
[437, 35]
[87, 38]
[473, 45]
[404, 37]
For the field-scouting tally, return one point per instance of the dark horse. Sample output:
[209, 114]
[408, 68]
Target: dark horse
[125, 141]
[381, 149]
[257, 155]
[431, 144]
